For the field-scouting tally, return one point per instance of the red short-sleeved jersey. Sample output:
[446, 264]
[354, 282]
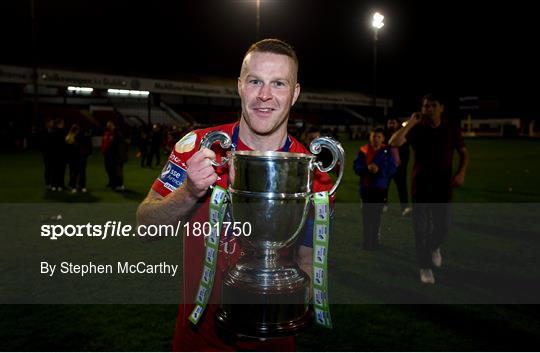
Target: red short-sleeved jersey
[203, 337]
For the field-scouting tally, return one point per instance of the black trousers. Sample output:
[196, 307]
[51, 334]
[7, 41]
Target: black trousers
[48, 169]
[144, 156]
[431, 222]
[115, 171]
[77, 172]
[58, 166]
[82, 172]
[400, 178]
[153, 152]
[372, 205]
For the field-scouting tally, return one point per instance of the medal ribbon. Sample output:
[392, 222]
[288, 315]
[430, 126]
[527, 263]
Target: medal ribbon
[321, 237]
[217, 209]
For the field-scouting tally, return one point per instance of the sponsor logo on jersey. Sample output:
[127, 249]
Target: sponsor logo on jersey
[172, 176]
[175, 159]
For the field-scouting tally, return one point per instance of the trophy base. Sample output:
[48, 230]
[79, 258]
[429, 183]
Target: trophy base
[264, 303]
[239, 321]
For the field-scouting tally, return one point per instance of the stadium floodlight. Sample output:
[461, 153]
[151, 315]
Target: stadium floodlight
[127, 92]
[258, 32]
[377, 22]
[80, 89]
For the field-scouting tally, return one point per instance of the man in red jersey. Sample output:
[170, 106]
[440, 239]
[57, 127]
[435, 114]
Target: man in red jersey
[268, 88]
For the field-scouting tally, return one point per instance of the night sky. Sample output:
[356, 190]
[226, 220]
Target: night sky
[457, 48]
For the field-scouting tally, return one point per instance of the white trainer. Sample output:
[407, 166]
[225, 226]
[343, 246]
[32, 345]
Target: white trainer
[426, 276]
[436, 257]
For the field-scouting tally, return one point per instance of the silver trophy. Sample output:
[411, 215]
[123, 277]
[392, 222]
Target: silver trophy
[266, 294]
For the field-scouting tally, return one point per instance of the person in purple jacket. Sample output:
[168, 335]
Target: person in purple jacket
[375, 164]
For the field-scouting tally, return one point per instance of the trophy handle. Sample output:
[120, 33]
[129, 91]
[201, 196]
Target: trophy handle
[338, 155]
[224, 141]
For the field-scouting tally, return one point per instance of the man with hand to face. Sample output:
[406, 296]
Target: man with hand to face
[268, 88]
[433, 139]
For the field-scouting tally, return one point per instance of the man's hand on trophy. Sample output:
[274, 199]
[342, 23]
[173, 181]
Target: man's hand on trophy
[200, 172]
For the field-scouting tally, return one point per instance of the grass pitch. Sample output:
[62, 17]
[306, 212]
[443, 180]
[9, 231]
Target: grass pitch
[491, 257]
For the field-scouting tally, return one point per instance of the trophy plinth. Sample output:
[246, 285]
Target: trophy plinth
[262, 298]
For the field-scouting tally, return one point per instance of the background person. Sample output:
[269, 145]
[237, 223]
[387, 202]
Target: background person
[114, 151]
[375, 165]
[400, 177]
[433, 138]
[58, 154]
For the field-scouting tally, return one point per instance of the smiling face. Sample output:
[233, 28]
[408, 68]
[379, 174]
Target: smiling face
[268, 89]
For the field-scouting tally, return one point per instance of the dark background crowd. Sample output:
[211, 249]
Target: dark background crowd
[66, 147]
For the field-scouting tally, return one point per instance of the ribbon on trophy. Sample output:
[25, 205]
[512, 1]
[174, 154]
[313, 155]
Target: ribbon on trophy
[216, 211]
[321, 237]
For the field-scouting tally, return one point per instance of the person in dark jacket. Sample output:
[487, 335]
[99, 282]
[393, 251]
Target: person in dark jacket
[113, 147]
[58, 154]
[143, 145]
[375, 165]
[400, 177]
[156, 141]
[47, 153]
[79, 147]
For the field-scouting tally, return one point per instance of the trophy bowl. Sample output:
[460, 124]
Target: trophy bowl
[270, 191]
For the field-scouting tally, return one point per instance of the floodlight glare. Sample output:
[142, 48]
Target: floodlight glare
[377, 22]
[126, 92]
[80, 89]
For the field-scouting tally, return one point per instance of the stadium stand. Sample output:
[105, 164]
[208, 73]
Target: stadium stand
[157, 115]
